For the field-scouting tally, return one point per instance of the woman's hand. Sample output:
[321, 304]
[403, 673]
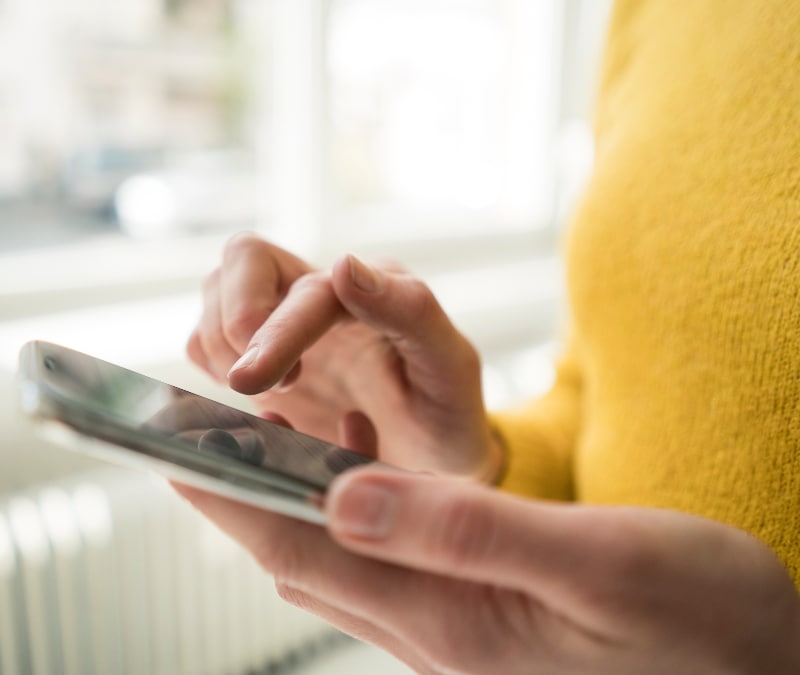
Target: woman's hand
[379, 355]
[457, 578]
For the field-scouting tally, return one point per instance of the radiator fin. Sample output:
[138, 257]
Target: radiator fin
[112, 572]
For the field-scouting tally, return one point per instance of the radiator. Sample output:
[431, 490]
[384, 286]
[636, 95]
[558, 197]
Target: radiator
[112, 573]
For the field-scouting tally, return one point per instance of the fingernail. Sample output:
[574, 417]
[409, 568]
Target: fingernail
[366, 278]
[246, 360]
[364, 511]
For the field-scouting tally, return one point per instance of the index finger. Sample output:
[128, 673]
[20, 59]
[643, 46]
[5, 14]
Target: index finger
[309, 309]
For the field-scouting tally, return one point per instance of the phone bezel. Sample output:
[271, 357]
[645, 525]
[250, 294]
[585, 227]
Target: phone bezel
[67, 422]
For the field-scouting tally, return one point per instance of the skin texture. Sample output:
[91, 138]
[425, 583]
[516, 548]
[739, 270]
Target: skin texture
[446, 573]
[388, 353]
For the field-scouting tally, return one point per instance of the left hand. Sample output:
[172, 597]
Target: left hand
[454, 577]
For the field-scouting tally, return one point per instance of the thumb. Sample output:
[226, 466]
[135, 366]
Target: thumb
[458, 529]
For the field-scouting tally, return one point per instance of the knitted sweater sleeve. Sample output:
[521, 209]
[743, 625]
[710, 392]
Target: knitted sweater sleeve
[539, 437]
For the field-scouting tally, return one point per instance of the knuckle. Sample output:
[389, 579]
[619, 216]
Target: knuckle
[194, 348]
[213, 343]
[292, 595]
[424, 308]
[390, 264]
[421, 296]
[625, 554]
[273, 330]
[283, 562]
[468, 359]
[628, 554]
[211, 282]
[416, 303]
[243, 244]
[461, 532]
[312, 282]
[239, 327]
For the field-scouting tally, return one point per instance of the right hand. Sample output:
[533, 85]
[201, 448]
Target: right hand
[456, 578]
[379, 356]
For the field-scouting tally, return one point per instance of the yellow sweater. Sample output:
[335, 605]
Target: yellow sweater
[680, 384]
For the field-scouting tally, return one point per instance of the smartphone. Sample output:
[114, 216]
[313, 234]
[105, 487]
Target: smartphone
[127, 418]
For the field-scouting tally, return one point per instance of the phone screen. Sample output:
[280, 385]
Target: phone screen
[128, 409]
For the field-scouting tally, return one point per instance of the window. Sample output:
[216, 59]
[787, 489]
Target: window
[447, 133]
[443, 109]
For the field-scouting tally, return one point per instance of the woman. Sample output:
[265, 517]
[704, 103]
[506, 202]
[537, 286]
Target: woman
[671, 433]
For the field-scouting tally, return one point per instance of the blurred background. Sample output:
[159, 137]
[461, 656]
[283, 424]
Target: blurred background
[136, 136]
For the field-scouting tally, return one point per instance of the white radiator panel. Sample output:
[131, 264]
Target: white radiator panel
[113, 573]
